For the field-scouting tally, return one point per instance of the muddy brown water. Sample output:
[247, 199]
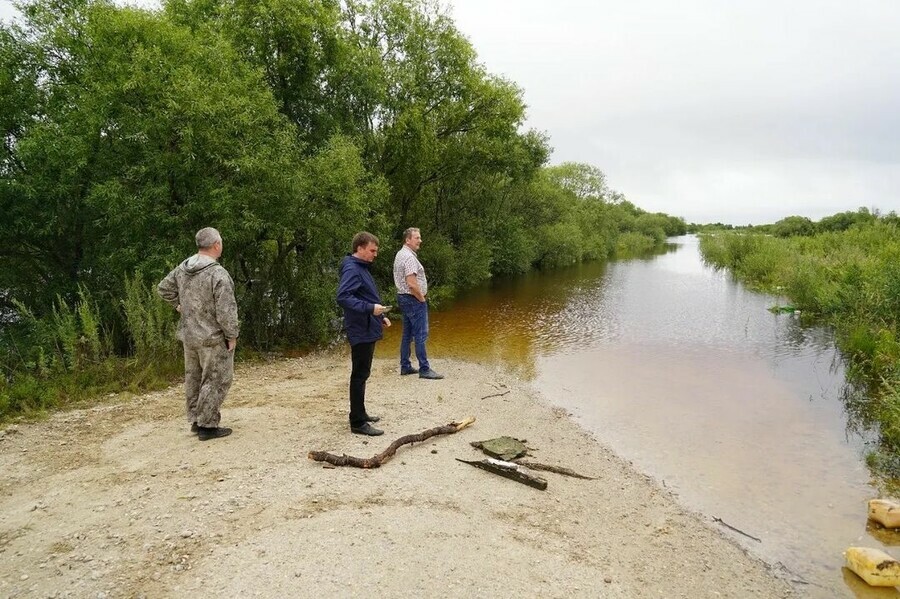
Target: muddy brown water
[686, 374]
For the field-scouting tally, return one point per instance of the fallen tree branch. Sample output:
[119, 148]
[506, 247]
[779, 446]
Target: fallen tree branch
[727, 525]
[555, 469]
[377, 460]
[496, 394]
[509, 470]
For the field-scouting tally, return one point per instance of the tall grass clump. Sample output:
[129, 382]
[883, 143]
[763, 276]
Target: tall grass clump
[150, 321]
[885, 458]
[754, 259]
[713, 251]
[70, 338]
[68, 355]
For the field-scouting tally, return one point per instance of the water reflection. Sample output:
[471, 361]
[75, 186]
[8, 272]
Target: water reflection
[512, 321]
[857, 587]
[686, 373]
[888, 537]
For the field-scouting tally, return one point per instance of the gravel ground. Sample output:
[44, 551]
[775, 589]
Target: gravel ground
[121, 500]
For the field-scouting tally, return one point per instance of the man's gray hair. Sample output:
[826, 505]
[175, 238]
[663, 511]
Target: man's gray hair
[407, 234]
[207, 237]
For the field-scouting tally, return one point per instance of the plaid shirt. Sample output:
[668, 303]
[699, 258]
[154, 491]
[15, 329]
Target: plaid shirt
[406, 263]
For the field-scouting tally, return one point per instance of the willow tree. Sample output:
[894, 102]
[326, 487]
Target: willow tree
[126, 132]
[444, 133]
[399, 79]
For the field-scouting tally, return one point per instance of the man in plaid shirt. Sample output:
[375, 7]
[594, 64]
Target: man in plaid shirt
[412, 289]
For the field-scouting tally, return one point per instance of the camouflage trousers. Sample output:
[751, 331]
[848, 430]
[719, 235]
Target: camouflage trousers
[208, 371]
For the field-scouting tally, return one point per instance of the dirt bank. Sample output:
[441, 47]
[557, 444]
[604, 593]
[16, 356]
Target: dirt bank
[122, 501]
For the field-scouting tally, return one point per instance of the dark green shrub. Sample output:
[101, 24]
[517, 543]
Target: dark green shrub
[634, 244]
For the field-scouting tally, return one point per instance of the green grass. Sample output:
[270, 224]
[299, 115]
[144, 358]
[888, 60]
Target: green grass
[66, 357]
[29, 396]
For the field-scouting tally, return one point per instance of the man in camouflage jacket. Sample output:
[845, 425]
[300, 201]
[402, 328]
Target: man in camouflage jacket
[203, 293]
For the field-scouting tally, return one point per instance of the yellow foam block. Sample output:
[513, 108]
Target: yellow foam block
[886, 513]
[874, 566]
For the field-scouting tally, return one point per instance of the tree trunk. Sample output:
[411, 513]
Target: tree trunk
[377, 460]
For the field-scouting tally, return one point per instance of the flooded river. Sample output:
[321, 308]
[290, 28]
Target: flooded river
[686, 374]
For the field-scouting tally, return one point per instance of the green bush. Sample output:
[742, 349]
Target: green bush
[653, 226]
[792, 226]
[439, 256]
[512, 249]
[28, 394]
[559, 244]
[634, 244]
[67, 339]
[472, 263]
[886, 286]
[757, 267]
[713, 250]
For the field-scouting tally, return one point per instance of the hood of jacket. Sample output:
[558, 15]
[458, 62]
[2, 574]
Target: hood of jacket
[197, 263]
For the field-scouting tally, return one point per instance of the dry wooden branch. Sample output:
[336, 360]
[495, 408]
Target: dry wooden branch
[555, 469]
[727, 525]
[509, 470]
[377, 460]
[496, 394]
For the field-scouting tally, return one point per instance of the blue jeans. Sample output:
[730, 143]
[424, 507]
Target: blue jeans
[415, 328]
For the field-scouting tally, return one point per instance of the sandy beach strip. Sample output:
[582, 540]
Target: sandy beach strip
[121, 500]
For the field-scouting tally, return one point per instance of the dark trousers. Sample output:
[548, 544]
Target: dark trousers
[361, 355]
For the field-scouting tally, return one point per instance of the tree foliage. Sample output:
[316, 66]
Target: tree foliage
[288, 125]
[792, 226]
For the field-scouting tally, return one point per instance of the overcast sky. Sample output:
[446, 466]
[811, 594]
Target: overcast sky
[714, 110]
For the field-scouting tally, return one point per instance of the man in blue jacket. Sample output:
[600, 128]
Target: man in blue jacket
[364, 319]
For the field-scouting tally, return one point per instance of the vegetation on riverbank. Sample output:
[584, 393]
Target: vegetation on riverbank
[287, 125]
[843, 271]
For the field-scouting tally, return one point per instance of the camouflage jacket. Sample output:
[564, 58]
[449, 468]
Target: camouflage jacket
[203, 292]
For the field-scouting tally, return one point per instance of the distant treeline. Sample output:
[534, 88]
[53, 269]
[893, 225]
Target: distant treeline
[793, 226]
[844, 271]
[288, 125]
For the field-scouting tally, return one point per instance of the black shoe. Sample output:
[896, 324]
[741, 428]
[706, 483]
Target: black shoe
[207, 433]
[194, 428]
[430, 374]
[410, 370]
[370, 418]
[366, 429]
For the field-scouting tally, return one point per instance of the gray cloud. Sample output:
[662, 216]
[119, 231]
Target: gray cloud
[738, 112]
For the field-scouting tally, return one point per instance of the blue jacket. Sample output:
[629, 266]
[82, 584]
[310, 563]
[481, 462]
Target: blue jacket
[357, 295]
